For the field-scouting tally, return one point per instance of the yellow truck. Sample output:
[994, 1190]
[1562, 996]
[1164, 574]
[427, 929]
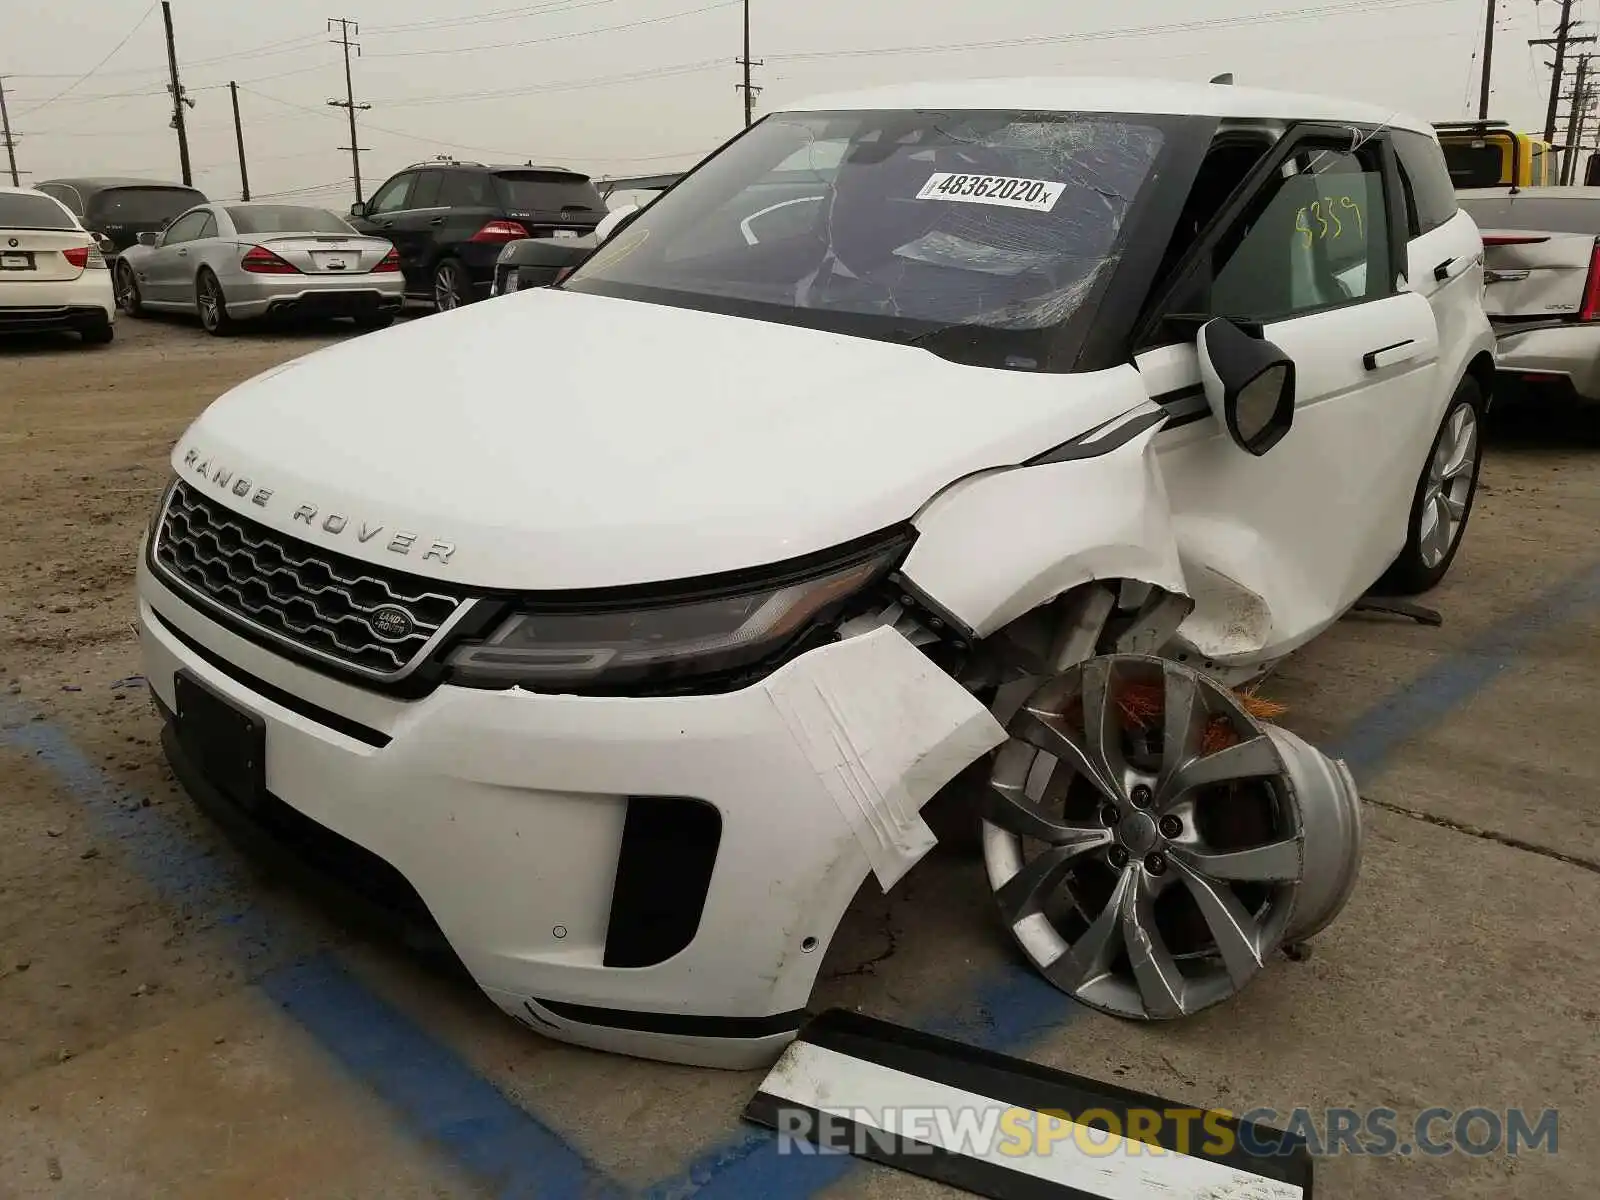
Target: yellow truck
[1491, 154]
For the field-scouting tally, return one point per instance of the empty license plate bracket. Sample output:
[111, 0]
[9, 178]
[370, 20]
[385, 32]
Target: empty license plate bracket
[228, 744]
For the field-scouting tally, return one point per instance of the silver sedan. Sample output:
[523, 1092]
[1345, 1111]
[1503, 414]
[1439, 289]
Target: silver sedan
[239, 262]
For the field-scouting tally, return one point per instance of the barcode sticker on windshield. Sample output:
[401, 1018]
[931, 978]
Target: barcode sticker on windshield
[1036, 194]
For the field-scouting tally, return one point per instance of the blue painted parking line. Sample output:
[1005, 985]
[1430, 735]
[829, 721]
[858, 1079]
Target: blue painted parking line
[441, 1100]
[435, 1094]
[1014, 1011]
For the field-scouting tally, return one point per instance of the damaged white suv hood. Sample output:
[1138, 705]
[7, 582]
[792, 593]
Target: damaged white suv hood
[549, 440]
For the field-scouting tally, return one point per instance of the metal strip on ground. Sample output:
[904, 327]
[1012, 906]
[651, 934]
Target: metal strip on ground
[1007, 1128]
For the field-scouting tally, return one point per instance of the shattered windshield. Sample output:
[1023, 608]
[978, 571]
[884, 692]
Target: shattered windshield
[894, 223]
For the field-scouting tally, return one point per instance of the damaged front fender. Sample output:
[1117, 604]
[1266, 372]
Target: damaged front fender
[998, 545]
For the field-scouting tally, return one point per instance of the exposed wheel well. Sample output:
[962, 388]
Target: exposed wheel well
[1481, 371]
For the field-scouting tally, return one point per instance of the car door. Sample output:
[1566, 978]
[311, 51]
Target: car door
[393, 214]
[1309, 255]
[1444, 252]
[165, 277]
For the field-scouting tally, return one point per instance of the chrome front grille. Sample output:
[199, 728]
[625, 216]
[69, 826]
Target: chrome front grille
[367, 619]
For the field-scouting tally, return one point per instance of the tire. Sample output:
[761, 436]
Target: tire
[451, 287]
[375, 322]
[129, 298]
[1447, 486]
[212, 305]
[98, 335]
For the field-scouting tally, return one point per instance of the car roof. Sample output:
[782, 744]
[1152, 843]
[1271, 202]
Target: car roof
[1119, 94]
[102, 183]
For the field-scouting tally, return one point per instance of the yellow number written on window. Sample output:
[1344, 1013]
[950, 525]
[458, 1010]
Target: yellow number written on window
[1327, 219]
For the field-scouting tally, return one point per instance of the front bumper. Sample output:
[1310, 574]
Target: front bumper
[658, 877]
[1566, 355]
[329, 296]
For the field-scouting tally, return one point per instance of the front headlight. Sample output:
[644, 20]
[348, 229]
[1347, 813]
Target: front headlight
[609, 646]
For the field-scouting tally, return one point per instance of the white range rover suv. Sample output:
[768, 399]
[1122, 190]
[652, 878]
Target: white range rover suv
[915, 429]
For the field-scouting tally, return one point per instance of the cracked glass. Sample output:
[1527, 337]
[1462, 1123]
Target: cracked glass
[896, 225]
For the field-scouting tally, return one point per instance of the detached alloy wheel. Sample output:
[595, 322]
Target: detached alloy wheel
[1443, 499]
[451, 288]
[212, 305]
[128, 298]
[1151, 844]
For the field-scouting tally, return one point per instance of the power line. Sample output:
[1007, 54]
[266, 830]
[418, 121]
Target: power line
[137, 25]
[708, 64]
[1278, 16]
[1562, 39]
[562, 37]
[349, 102]
[504, 14]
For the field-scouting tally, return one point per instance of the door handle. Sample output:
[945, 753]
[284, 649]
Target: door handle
[437, 221]
[383, 224]
[183, 254]
[1387, 356]
[1451, 267]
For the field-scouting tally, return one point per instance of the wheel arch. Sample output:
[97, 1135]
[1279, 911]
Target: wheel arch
[1480, 370]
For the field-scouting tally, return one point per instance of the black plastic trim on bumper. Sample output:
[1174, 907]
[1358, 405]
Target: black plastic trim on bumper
[73, 318]
[259, 841]
[677, 1024]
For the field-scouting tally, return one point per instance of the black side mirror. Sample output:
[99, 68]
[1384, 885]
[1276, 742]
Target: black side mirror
[1249, 384]
[358, 209]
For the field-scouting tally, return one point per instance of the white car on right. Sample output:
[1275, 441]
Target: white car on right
[1542, 286]
[52, 274]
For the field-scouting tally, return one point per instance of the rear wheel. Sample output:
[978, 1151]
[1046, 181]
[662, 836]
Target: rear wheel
[451, 287]
[1443, 499]
[212, 305]
[129, 299]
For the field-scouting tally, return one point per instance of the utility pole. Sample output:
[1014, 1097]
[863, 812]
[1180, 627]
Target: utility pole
[1577, 110]
[1488, 58]
[1562, 39]
[178, 98]
[749, 89]
[5, 132]
[346, 26]
[238, 136]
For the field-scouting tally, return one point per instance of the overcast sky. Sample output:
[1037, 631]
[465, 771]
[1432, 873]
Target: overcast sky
[637, 86]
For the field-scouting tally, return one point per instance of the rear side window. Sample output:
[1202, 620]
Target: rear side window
[426, 192]
[67, 195]
[142, 203]
[549, 191]
[1552, 214]
[286, 218]
[32, 212]
[465, 189]
[1427, 175]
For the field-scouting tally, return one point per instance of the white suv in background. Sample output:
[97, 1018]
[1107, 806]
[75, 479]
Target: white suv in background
[914, 425]
[52, 274]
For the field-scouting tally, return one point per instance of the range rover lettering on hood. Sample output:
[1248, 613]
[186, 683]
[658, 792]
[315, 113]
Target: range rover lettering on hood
[396, 541]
